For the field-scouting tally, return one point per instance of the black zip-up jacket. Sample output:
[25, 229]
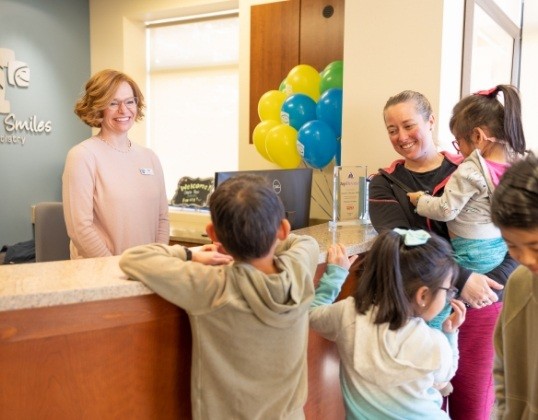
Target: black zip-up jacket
[389, 207]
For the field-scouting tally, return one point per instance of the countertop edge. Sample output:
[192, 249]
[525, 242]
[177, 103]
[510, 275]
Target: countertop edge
[25, 286]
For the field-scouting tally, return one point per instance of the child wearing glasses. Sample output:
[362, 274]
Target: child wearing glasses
[514, 210]
[392, 362]
[489, 134]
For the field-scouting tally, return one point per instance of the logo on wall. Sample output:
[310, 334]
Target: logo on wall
[16, 74]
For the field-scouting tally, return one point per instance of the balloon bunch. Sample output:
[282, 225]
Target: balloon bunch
[302, 120]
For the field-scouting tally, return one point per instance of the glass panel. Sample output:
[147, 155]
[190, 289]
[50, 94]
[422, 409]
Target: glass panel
[493, 49]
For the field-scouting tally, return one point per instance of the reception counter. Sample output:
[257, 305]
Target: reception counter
[80, 340]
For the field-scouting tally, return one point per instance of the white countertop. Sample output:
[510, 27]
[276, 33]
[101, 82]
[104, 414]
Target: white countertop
[35, 285]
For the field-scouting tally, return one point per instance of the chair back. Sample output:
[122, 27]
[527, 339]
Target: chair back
[51, 240]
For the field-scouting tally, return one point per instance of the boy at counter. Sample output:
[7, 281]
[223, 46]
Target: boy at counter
[249, 316]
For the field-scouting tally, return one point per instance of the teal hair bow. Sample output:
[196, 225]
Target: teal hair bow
[413, 237]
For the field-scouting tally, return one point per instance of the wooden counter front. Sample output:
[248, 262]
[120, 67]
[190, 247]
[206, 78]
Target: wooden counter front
[125, 358]
[79, 341]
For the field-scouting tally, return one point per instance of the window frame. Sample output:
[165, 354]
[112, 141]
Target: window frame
[505, 23]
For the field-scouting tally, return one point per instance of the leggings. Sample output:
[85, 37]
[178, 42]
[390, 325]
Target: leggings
[474, 395]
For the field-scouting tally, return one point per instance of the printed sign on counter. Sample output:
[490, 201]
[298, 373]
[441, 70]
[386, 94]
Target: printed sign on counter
[193, 192]
[350, 195]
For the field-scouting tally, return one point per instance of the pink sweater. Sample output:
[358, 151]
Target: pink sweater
[112, 200]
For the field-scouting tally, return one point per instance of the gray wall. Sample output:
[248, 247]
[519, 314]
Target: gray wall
[52, 38]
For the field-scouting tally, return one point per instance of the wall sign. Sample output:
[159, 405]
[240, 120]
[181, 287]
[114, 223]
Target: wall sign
[16, 74]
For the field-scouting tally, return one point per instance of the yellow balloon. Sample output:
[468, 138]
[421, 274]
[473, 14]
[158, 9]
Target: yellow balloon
[303, 79]
[269, 105]
[281, 145]
[260, 133]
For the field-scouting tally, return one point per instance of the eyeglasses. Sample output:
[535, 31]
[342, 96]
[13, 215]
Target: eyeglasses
[451, 292]
[456, 143]
[130, 103]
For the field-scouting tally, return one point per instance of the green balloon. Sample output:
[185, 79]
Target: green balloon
[332, 76]
[335, 64]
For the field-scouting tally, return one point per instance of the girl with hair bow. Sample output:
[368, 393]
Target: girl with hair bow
[392, 363]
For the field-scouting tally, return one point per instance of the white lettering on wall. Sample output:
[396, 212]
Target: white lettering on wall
[12, 139]
[31, 125]
[16, 73]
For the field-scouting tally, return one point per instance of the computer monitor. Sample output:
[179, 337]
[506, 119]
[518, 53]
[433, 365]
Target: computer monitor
[293, 186]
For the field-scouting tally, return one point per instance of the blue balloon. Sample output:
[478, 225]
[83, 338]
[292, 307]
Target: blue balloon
[329, 109]
[297, 110]
[316, 143]
[338, 154]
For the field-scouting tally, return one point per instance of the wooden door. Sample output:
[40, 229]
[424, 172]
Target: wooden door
[322, 32]
[274, 49]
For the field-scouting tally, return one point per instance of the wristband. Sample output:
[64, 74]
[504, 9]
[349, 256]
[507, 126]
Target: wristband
[188, 254]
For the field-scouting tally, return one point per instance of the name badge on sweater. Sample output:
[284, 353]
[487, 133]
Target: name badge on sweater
[146, 171]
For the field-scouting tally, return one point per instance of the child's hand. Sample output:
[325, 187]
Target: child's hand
[414, 196]
[456, 318]
[210, 255]
[336, 254]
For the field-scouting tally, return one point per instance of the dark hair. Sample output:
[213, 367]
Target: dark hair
[515, 200]
[422, 104]
[246, 214]
[99, 92]
[393, 272]
[484, 110]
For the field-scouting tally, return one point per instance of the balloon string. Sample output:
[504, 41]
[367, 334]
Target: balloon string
[303, 163]
[323, 194]
[321, 207]
[328, 189]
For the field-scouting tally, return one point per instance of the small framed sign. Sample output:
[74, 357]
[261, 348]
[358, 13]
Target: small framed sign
[193, 192]
[350, 195]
